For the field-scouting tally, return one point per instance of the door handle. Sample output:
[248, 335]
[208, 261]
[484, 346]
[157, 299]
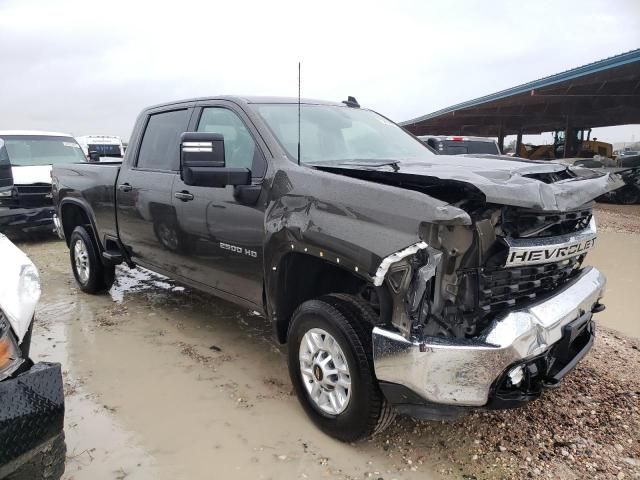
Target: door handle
[125, 187]
[184, 196]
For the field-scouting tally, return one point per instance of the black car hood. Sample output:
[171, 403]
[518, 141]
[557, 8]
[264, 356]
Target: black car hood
[502, 180]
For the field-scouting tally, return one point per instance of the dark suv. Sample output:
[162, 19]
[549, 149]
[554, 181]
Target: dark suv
[445, 145]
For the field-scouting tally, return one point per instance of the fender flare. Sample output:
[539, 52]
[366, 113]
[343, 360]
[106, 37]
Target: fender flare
[86, 208]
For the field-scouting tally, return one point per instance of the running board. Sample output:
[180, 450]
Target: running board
[112, 257]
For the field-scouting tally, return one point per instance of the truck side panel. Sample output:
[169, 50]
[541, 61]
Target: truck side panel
[90, 187]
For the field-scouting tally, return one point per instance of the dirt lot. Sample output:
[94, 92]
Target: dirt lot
[165, 382]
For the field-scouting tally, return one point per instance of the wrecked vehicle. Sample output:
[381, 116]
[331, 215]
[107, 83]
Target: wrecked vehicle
[628, 172]
[31, 396]
[402, 281]
[25, 177]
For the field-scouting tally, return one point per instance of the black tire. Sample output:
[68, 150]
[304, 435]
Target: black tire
[628, 195]
[350, 322]
[100, 277]
[45, 465]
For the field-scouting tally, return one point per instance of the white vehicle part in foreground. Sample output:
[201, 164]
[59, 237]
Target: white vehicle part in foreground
[19, 287]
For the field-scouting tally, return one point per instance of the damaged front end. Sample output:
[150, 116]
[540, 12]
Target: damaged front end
[487, 314]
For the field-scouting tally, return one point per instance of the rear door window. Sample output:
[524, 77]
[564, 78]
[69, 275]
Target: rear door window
[160, 147]
[453, 147]
[106, 150]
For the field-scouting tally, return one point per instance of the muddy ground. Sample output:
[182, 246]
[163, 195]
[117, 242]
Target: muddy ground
[164, 382]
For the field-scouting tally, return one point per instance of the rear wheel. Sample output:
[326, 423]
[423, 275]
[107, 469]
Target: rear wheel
[90, 274]
[331, 367]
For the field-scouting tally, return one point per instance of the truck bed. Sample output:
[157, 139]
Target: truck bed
[92, 185]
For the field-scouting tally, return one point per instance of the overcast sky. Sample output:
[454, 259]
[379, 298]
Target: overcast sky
[89, 67]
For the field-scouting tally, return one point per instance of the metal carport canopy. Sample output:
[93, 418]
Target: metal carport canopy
[602, 93]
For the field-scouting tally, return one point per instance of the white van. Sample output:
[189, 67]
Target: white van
[108, 147]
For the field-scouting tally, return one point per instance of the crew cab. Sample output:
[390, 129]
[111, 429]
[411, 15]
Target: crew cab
[25, 177]
[401, 281]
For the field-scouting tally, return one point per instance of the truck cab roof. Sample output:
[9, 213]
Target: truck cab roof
[244, 99]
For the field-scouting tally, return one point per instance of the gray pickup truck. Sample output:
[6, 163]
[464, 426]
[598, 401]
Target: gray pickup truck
[402, 281]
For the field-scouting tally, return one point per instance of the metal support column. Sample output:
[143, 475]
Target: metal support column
[501, 139]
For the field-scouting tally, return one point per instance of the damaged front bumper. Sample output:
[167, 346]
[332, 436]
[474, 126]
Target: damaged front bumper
[515, 358]
[25, 220]
[31, 415]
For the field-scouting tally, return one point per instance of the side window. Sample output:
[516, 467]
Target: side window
[159, 149]
[240, 150]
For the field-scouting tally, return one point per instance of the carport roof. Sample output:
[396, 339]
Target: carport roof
[602, 93]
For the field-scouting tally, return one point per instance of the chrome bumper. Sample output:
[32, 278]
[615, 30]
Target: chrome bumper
[461, 372]
[57, 226]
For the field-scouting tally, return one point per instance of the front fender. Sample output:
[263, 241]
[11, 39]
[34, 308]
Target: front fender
[350, 223]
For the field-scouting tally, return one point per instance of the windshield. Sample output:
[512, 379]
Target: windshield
[331, 133]
[105, 150]
[27, 150]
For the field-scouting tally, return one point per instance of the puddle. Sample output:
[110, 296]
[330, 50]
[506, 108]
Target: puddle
[617, 255]
[137, 280]
[166, 382]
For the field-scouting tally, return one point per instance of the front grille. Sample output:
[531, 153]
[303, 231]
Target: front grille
[34, 195]
[502, 288]
[524, 223]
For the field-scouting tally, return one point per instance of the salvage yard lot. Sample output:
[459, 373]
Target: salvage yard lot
[166, 382]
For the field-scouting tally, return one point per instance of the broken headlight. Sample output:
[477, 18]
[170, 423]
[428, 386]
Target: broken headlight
[10, 356]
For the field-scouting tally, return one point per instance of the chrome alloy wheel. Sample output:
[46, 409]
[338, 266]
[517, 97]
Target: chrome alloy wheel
[325, 372]
[81, 257]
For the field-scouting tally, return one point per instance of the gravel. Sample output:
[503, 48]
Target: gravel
[617, 218]
[587, 428]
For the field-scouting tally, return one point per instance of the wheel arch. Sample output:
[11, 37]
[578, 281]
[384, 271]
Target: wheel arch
[299, 277]
[75, 212]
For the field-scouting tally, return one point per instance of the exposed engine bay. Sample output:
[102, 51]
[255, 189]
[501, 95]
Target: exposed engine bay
[473, 286]
[461, 278]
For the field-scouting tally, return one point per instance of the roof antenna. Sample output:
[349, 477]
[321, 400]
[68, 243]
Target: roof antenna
[298, 113]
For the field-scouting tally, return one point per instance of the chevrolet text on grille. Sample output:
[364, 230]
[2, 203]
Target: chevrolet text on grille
[531, 252]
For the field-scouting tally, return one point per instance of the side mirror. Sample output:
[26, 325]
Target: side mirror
[94, 156]
[202, 162]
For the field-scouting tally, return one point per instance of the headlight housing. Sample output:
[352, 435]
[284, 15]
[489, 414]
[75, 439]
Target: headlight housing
[10, 355]
[19, 287]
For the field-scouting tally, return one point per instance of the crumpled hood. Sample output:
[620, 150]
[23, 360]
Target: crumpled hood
[19, 287]
[503, 180]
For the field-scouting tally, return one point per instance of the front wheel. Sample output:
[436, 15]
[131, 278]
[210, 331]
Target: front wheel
[90, 274]
[331, 367]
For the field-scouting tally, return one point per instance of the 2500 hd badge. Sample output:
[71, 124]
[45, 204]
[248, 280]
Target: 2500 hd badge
[240, 250]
